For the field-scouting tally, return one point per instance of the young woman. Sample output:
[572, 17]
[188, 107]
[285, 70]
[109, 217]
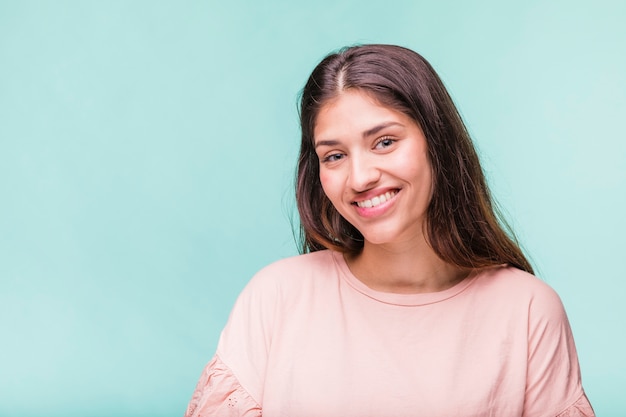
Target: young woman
[411, 299]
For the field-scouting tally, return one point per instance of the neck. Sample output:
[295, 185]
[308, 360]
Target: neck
[411, 268]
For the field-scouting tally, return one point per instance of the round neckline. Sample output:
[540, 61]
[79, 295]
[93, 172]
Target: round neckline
[417, 299]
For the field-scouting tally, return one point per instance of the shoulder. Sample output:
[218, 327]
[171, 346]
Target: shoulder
[551, 368]
[299, 263]
[296, 270]
[510, 281]
[262, 308]
[512, 286]
[269, 299]
[292, 278]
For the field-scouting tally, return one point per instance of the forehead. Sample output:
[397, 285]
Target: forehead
[354, 112]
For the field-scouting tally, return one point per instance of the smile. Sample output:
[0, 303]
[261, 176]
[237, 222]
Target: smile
[376, 201]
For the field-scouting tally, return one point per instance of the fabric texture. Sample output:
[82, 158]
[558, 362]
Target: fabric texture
[218, 393]
[307, 338]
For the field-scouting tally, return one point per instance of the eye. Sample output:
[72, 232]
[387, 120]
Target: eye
[384, 142]
[333, 157]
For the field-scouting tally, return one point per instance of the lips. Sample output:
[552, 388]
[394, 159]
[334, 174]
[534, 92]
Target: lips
[377, 200]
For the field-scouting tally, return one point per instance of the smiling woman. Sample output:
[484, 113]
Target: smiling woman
[366, 163]
[410, 299]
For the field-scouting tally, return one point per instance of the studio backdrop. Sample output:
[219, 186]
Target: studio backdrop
[147, 156]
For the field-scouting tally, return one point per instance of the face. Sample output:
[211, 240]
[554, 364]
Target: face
[374, 167]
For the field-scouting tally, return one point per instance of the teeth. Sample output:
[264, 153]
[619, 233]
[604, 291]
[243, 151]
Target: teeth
[376, 200]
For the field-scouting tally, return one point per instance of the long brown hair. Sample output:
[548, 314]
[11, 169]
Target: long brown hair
[462, 226]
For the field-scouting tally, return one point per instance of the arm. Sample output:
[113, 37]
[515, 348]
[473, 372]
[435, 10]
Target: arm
[231, 385]
[553, 384]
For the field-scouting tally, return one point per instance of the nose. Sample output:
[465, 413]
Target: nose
[364, 173]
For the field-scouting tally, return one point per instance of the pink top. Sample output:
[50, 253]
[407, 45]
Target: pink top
[307, 338]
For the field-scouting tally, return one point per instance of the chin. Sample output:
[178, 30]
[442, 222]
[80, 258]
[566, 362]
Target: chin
[381, 238]
[392, 235]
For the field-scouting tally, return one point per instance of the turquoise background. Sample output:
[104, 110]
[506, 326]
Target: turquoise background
[146, 158]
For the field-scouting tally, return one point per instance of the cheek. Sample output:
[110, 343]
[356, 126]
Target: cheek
[325, 180]
[414, 166]
[330, 186]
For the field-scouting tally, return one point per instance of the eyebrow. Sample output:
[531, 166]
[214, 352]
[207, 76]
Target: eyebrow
[380, 127]
[369, 132]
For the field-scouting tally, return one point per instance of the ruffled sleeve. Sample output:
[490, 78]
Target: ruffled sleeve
[219, 393]
[581, 408]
